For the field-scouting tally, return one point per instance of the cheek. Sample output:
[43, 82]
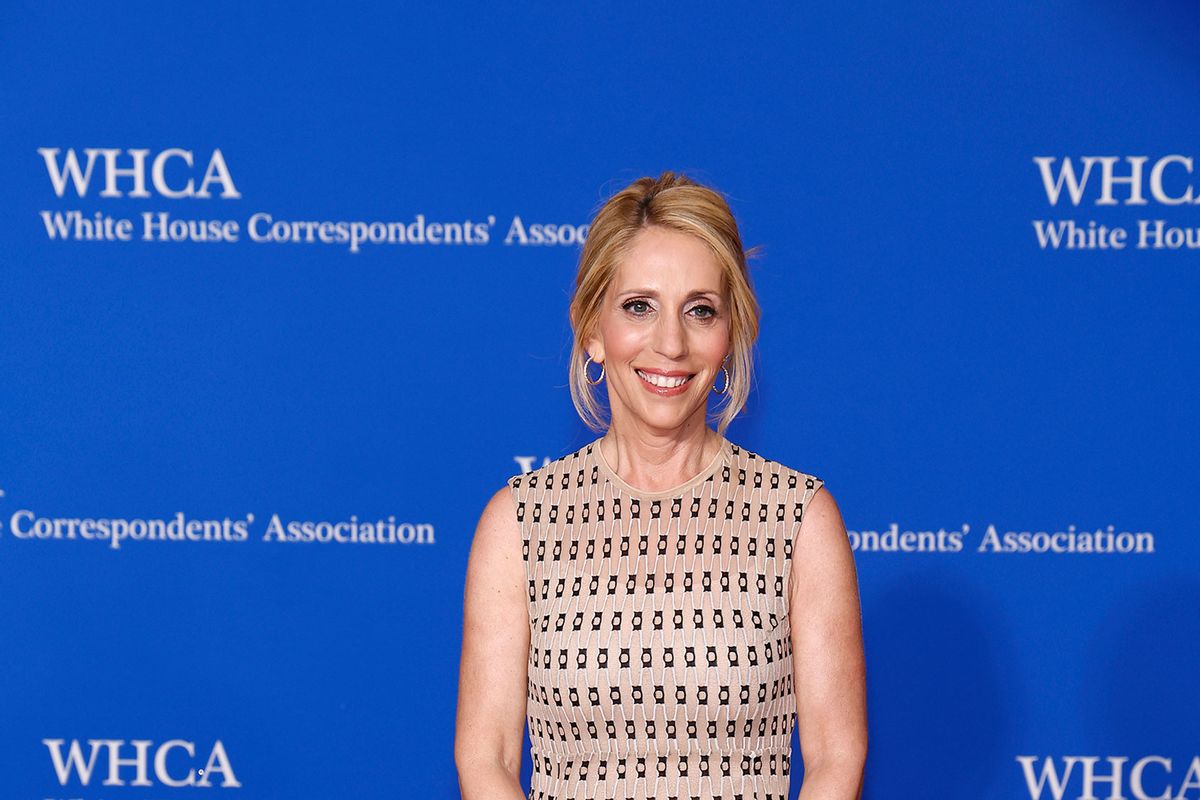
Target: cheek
[624, 341]
[714, 345]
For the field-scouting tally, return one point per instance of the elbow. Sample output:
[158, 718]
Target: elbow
[472, 760]
[847, 761]
[837, 776]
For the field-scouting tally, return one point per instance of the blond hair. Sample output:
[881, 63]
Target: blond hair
[678, 203]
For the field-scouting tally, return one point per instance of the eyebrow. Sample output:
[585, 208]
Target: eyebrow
[652, 293]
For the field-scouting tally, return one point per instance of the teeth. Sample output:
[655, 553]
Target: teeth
[662, 380]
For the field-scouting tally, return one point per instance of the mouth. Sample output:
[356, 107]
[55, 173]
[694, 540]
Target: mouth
[663, 384]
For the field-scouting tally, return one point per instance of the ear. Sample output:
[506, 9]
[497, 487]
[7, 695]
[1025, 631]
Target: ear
[595, 348]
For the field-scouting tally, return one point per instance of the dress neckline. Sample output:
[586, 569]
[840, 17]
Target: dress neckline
[720, 459]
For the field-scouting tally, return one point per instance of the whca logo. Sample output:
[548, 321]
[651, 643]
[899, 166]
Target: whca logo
[1151, 777]
[138, 762]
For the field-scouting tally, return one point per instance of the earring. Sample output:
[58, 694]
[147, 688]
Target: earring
[724, 388]
[585, 375]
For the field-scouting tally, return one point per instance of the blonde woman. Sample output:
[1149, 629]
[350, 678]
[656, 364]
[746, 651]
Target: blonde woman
[662, 607]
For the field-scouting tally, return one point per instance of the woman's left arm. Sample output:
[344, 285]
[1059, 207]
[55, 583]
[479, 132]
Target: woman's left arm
[827, 655]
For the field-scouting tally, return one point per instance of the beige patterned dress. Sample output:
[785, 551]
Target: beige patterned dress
[660, 659]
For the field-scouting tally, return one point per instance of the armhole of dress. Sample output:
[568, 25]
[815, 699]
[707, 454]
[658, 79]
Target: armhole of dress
[516, 486]
[806, 499]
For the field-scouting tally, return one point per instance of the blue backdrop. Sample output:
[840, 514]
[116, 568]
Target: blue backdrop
[354, 312]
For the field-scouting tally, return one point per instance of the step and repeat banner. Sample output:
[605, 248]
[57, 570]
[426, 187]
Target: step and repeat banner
[284, 302]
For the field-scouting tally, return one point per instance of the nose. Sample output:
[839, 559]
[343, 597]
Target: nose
[670, 339]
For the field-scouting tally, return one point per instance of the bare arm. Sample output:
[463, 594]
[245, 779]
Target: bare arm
[492, 685]
[827, 655]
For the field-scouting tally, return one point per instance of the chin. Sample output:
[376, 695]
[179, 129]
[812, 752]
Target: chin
[667, 421]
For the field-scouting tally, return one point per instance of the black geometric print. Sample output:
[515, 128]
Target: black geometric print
[660, 659]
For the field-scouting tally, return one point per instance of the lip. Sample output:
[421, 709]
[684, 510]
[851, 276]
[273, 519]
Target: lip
[671, 373]
[663, 391]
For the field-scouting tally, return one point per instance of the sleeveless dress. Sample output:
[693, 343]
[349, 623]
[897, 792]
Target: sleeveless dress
[660, 658]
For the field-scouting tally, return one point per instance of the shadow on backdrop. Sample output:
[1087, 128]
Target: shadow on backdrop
[1143, 700]
[938, 703]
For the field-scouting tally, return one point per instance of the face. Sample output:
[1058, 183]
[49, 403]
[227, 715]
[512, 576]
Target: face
[664, 315]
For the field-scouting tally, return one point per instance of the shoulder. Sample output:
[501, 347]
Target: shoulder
[555, 473]
[505, 509]
[759, 470]
[499, 512]
[498, 523]
[821, 556]
[823, 519]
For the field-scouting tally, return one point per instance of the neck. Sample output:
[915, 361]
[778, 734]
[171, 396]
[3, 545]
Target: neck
[659, 460]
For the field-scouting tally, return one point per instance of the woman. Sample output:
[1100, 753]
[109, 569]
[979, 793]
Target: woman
[662, 606]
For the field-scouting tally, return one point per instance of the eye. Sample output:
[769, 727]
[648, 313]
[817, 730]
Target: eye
[708, 312]
[642, 305]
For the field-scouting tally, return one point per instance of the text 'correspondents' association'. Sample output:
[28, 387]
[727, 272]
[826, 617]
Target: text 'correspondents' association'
[116, 532]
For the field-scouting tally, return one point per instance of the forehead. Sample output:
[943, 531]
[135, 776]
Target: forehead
[668, 261]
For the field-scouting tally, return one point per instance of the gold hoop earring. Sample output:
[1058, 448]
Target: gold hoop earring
[585, 375]
[724, 388]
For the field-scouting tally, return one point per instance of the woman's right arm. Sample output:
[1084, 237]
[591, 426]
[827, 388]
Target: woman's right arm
[492, 685]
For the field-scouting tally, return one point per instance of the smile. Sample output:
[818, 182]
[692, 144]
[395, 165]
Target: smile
[661, 384]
